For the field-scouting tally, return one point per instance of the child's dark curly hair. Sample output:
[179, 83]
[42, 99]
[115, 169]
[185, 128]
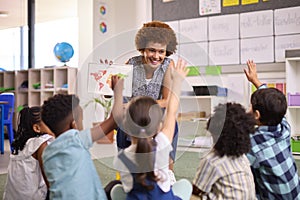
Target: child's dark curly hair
[231, 127]
[271, 104]
[57, 109]
[27, 117]
[157, 32]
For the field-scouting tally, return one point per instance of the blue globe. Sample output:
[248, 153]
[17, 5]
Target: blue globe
[63, 51]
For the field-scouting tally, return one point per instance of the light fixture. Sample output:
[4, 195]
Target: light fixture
[3, 13]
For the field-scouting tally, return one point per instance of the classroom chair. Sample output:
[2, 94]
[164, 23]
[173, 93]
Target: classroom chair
[7, 102]
[183, 189]
[117, 192]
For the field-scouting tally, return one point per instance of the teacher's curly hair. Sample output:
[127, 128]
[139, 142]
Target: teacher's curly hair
[157, 32]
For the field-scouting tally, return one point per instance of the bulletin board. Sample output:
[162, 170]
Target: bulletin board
[188, 9]
[230, 32]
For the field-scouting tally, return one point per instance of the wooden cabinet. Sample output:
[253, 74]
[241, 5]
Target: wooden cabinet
[32, 87]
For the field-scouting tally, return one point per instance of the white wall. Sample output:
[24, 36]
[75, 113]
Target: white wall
[123, 18]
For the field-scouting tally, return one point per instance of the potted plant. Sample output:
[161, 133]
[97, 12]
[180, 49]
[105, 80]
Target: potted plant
[106, 103]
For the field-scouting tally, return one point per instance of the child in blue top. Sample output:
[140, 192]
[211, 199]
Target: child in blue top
[67, 161]
[272, 163]
[144, 164]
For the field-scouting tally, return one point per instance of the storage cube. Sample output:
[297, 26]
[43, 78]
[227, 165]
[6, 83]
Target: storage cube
[294, 99]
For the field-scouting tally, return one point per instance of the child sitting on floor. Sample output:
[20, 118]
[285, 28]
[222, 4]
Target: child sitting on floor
[67, 161]
[144, 164]
[25, 178]
[272, 163]
[224, 173]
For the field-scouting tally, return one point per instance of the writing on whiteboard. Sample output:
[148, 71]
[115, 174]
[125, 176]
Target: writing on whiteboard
[259, 47]
[220, 27]
[284, 42]
[193, 30]
[223, 27]
[287, 20]
[256, 24]
[259, 20]
[291, 18]
[223, 51]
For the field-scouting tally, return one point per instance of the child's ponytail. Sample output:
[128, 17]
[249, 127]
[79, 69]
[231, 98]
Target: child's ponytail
[145, 153]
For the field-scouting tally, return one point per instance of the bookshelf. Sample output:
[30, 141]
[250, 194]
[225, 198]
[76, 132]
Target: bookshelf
[33, 86]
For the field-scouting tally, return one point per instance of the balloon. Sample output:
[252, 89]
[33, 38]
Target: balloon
[63, 51]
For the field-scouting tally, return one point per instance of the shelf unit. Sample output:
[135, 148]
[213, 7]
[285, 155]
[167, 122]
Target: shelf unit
[192, 126]
[293, 86]
[52, 81]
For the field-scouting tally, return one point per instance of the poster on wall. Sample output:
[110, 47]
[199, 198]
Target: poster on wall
[246, 2]
[193, 30]
[250, 22]
[223, 27]
[208, 7]
[224, 52]
[286, 21]
[99, 78]
[230, 3]
[260, 49]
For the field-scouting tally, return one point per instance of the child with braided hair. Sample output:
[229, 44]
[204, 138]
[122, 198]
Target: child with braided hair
[26, 178]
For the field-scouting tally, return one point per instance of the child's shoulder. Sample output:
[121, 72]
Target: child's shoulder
[33, 144]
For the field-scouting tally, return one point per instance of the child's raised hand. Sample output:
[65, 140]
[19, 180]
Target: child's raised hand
[180, 71]
[117, 84]
[251, 73]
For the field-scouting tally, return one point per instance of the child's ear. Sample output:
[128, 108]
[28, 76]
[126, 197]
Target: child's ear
[36, 128]
[257, 115]
[73, 125]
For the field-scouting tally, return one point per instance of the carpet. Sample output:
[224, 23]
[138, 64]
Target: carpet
[185, 167]
[107, 173]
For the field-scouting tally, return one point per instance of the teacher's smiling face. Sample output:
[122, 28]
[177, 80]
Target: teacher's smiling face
[154, 54]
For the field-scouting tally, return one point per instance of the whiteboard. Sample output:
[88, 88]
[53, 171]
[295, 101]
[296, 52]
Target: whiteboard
[224, 52]
[256, 24]
[284, 42]
[287, 20]
[193, 30]
[223, 27]
[196, 54]
[260, 50]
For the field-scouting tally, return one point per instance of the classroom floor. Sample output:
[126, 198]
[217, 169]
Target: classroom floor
[102, 154]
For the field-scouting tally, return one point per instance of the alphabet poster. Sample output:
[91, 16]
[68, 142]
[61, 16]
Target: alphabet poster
[99, 78]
